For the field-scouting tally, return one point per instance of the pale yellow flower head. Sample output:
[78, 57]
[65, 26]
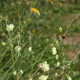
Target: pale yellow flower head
[54, 51]
[14, 72]
[44, 66]
[50, 1]
[10, 27]
[43, 77]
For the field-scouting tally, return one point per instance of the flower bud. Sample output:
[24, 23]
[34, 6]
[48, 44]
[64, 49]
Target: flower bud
[51, 45]
[39, 65]
[3, 43]
[56, 42]
[14, 72]
[30, 49]
[60, 29]
[21, 71]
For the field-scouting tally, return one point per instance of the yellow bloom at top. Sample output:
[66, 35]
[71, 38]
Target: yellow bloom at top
[51, 2]
[60, 3]
[63, 0]
[34, 10]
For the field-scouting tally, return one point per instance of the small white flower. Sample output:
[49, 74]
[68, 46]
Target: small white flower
[69, 78]
[30, 79]
[30, 49]
[10, 27]
[57, 56]
[21, 71]
[58, 64]
[54, 51]
[18, 49]
[14, 72]
[56, 74]
[44, 66]
[43, 77]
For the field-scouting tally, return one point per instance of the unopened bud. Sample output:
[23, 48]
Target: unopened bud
[3, 43]
[60, 29]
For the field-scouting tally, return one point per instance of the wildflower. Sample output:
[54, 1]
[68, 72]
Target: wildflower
[30, 49]
[51, 2]
[58, 64]
[34, 10]
[57, 57]
[3, 43]
[43, 77]
[69, 78]
[14, 72]
[63, 0]
[18, 49]
[44, 66]
[56, 42]
[54, 51]
[21, 71]
[60, 29]
[30, 79]
[60, 3]
[10, 27]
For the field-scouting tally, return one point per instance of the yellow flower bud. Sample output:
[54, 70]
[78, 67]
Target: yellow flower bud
[60, 3]
[3, 43]
[51, 45]
[34, 10]
[51, 2]
[56, 42]
[63, 0]
[60, 29]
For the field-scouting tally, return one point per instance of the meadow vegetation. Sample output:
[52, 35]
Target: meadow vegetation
[32, 34]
